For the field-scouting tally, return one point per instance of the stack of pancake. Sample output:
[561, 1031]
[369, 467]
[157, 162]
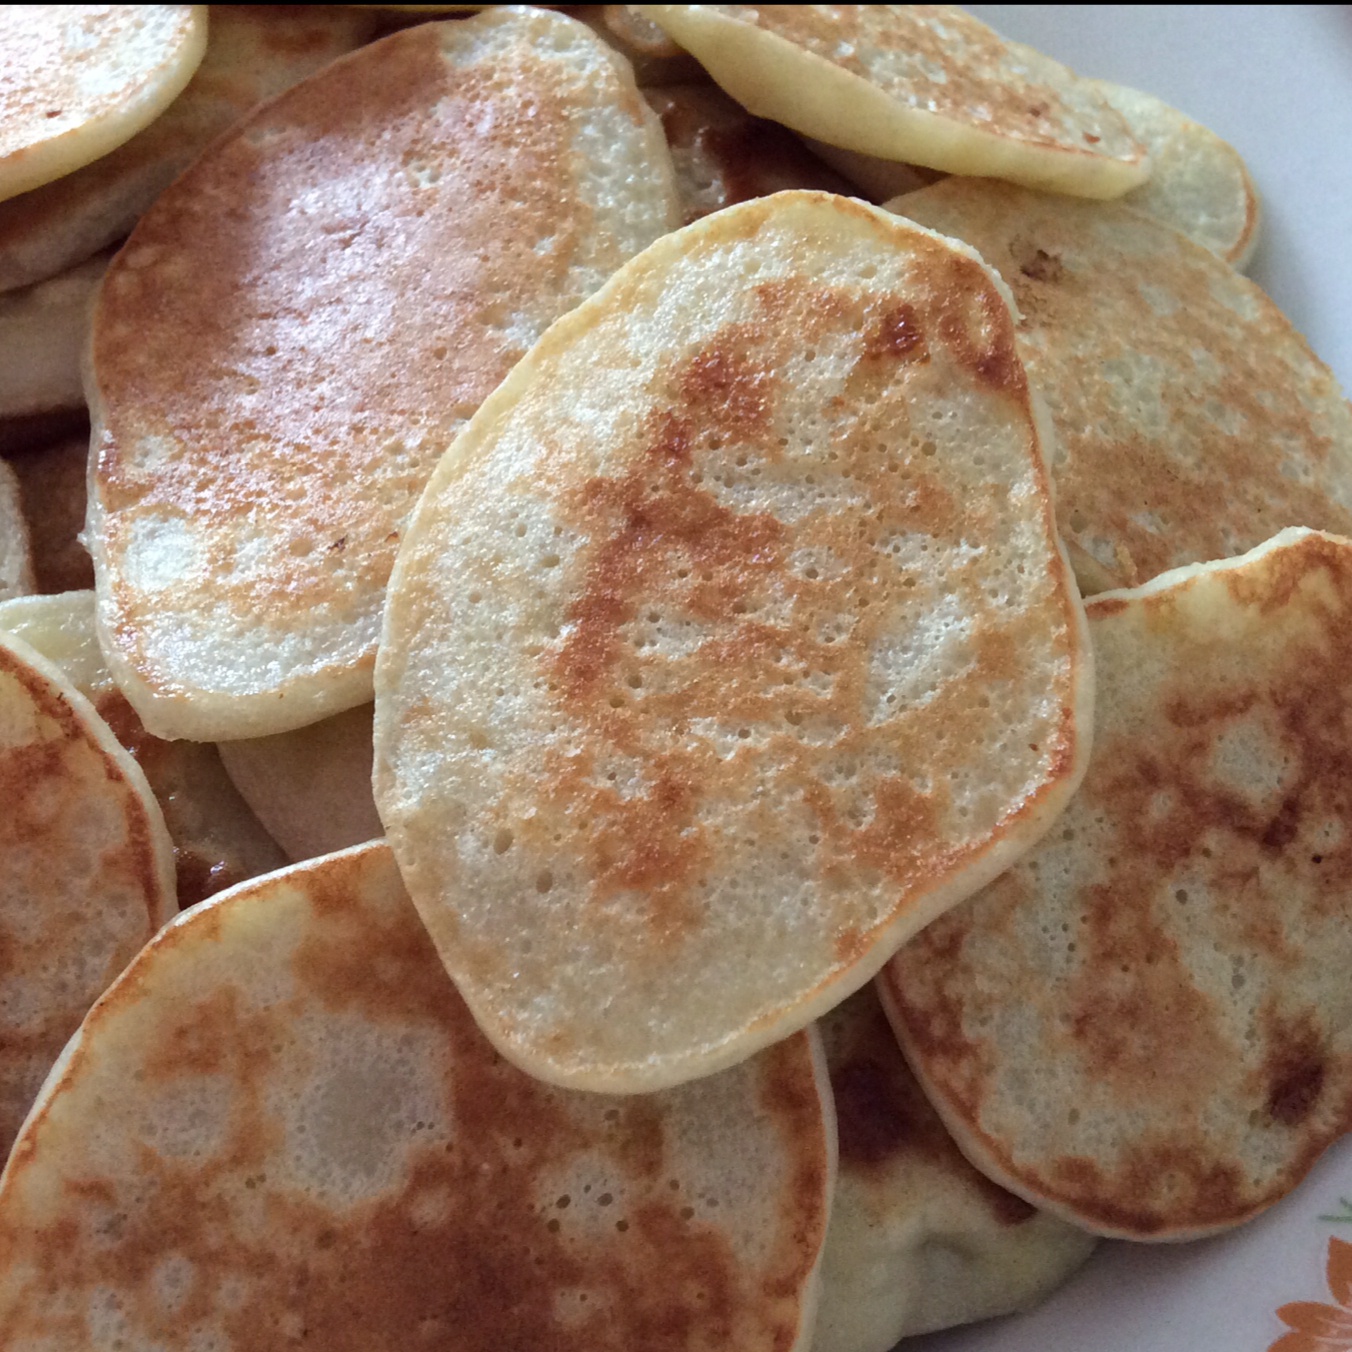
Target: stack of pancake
[562, 789]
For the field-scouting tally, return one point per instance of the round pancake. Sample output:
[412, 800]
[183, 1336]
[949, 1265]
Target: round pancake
[311, 787]
[1192, 421]
[86, 873]
[217, 841]
[52, 489]
[1198, 183]
[359, 262]
[927, 84]
[723, 155]
[322, 1148]
[16, 560]
[44, 330]
[253, 52]
[918, 1240]
[1146, 1024]
[76, 81]
[730, 644]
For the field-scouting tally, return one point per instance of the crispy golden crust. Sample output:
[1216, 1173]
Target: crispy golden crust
[1144, 1025]
[323, 1148]
[1192, 420]
[357, 264]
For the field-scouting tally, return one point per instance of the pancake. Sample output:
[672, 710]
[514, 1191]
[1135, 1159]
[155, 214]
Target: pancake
[85, 869]
[323, 1148]
[52, 490]
[253, 53]
[1198, 183]
[76, 81]
[730, 644]
[723, 155]
[927, 84]
[217, 841]
[655, 58]
[16, 562]
[878, 180]
[1146, 1024]
[918, 1239]
[311, 788]
[497, 170]
[44, 330]
[1192, 421]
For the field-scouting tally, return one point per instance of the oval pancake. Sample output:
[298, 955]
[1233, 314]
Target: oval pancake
[217, 840]
[1146, 1024]
[16, 560]
[1172, 382]
[730, 644]
[76, 81]
[253, 52]
[251, 486]
[86, 869]
[927, 84]
[323, 1149]
[918, 1240]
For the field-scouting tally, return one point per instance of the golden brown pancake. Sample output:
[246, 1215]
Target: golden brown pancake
[723, 155]
[1146, 1024]
[359, 263]
[253, 53]
[85, 869]
[322, 1149]
[76, 81]
[217, 841]
[919, 1240]
[1192, 421]
[729, 645]
[16, 560]
[52, 489]
[925, 84]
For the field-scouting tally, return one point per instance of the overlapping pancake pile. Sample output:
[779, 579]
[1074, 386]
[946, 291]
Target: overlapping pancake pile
[712, 543]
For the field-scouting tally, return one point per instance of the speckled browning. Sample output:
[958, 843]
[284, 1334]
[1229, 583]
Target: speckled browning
[763, 647]
[325, 1152]
[1160, 986]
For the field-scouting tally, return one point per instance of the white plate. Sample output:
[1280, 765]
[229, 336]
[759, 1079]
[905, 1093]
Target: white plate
[1277, 83]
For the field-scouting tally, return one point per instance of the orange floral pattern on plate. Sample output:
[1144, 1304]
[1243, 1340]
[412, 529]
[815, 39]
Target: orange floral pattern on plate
[1322, 1328]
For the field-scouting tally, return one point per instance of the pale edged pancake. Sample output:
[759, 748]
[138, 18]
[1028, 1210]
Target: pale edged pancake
[52, 491]
[310, 787]
[16, 559]
[1199, 183]
[76, 81]
[86, 869]
[359, 262]
[321, 1146]
[723, 155]
[44, 330]
[926, 84]
[730, 644]
[1192, 421]
[217, 841]
[1146, 1024]
[253, 52]
[918, 1240]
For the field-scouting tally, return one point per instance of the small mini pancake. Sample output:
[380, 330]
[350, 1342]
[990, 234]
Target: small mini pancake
[52, 489]
[927, 84]
[16, 560]
[1146, 1024]
[44, 330]
[723, 155]
[253, 53]
[919, 1240]
[217, 841]
[730, 644]
[76, 81]
[322, 1148]
[1198, 183]
[656, 59]
[359, 263]
[1192, 421]
[311, 788]
[86, 872]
